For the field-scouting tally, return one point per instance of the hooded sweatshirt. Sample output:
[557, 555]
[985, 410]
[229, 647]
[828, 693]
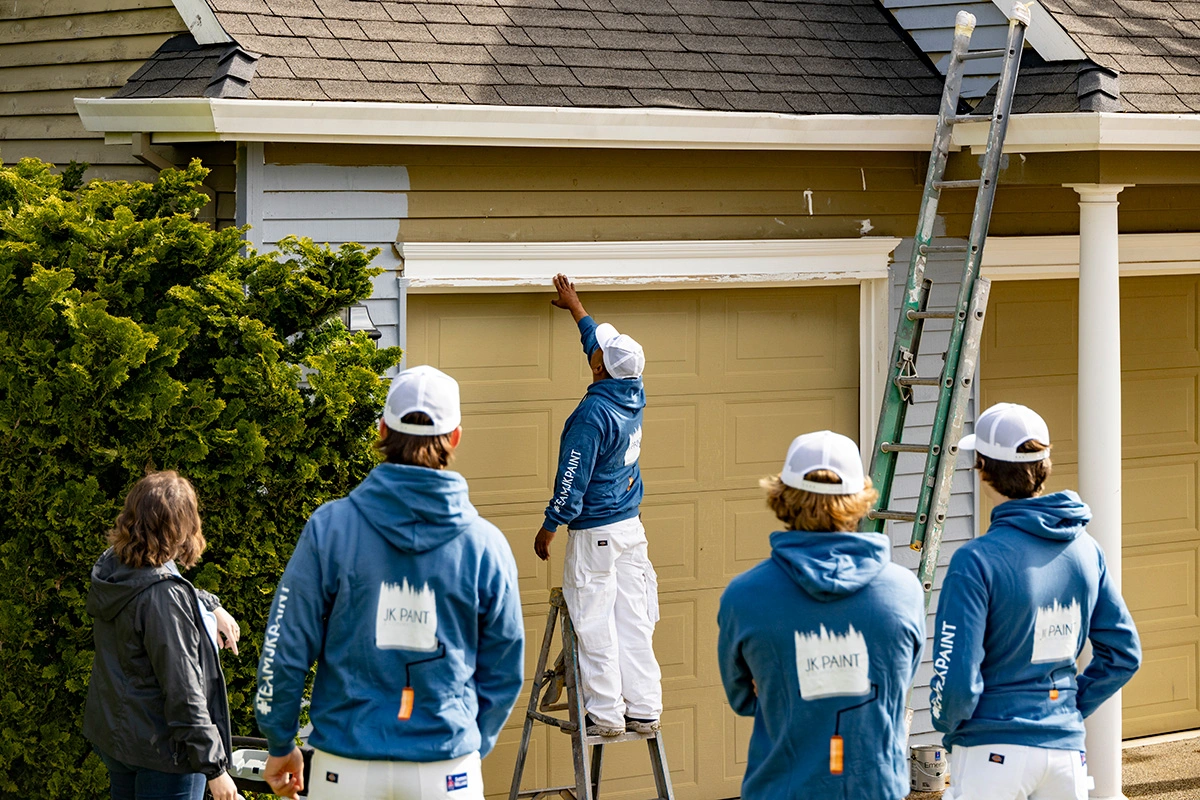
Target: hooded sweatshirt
[1016, 608]
[401, 583]
[598, 481]
[831, 633]
[156, 698]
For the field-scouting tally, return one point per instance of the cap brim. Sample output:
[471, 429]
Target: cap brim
[967, 442]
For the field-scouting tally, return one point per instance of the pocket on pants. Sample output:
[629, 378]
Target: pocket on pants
[987, 772]
[651, 579]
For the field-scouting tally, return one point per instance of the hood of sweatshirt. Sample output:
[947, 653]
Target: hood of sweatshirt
[415, 508]
[1061, 516]
[830, 565]
[114, 585]
[628, 393]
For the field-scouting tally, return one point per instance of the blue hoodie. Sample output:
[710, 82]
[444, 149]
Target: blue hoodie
[402, 571]
[825, 625]
[1016, 608]
[598, 479]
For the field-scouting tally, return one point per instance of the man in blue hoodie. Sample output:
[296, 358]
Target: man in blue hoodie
[819, 642]
[1017, 606]
[408, 601]
[609, 585]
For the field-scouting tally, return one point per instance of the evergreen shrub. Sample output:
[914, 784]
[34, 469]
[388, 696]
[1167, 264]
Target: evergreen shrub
[134, 338]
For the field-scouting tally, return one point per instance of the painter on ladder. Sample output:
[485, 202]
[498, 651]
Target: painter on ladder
[609, 585]
[407, 600]
[820, 641]
[1016, 607]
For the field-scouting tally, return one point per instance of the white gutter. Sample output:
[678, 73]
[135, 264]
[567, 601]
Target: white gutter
[210, 119]
[173, 120]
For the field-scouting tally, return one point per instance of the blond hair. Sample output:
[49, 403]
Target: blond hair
[809, 511]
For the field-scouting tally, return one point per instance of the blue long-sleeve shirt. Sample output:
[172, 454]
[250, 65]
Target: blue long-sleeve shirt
[598, 480]
[1016, 607]
[400, 584]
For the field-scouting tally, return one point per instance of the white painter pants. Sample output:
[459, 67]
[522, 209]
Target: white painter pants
[1015, 772]
[337, 778]
[612, 594]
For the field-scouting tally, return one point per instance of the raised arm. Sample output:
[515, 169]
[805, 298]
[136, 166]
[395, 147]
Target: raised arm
[567, 297]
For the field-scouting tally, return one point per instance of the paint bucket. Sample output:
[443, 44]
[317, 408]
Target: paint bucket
[928, 769]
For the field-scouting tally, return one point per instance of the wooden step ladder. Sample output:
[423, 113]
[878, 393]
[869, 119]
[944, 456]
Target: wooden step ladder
[546, 696]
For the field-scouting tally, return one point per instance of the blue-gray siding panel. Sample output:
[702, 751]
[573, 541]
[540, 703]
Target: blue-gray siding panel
[931, 24]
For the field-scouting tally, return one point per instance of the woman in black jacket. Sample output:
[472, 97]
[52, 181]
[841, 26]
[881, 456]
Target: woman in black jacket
[156, 710]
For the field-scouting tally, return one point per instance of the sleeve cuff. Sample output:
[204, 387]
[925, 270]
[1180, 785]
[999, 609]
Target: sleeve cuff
[281, 750]
[210, 600]
[549, 525]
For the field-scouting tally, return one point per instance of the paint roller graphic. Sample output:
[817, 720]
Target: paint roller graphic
[836, 745]
[408, 697]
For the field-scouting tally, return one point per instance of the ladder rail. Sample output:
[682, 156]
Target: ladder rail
[980, 221]
[895, 406]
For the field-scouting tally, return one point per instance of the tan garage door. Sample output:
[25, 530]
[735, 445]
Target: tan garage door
[731, 376]
[1030, 356]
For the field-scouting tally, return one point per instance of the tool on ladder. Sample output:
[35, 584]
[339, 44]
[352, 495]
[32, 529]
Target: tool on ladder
[962, 353]
[546, 696]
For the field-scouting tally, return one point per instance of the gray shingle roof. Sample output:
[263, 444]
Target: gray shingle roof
[1060, 87]
[809, 57]
[1153, 44]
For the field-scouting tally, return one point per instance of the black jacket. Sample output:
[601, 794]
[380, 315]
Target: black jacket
[157, 694]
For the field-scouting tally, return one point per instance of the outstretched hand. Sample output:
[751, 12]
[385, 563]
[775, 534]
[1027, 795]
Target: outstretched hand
[567, 298]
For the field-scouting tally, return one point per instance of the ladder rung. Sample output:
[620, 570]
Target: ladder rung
[912, 314]
[916, 380]
[901, 447]
[898, 516]
[926, 249]
[961, 119]
[996, 53]
[971, 184]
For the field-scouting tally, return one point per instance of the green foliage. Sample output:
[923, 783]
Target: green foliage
[133, 337]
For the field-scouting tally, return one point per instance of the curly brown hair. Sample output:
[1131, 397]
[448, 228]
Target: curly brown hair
[1016, 479]
[809, 511]
[160, 522]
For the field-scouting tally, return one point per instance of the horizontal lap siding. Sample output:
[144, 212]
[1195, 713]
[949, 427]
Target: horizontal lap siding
[54, 51]
[931, 24]
[944, 271]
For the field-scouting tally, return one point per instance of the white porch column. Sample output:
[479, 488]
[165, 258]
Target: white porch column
[1099, 433]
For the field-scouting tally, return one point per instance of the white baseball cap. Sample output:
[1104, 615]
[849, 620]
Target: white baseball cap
[424, 389]
[623, 356]
[824, 450]
[1004, 427]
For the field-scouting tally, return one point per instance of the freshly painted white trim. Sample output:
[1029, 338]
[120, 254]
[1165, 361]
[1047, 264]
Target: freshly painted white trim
[1041, 257]
[518, 266]
[874, 340]
[201, 119]
[1049, 39]
[1033, 133]
[201, 21]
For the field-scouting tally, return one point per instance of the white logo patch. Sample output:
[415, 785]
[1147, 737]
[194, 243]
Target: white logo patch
[831, 664]
[406, 618]
[1056, 633]
[635, 447]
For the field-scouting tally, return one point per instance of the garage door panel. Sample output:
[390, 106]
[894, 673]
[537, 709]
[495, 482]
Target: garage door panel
[1158, 412]
[1172, 340]
[748, 528]
[789, 338]
[1159, 500]
[508, 452]
[666, 324]
[498, 766]
[759, 429]
[1055, 398]
[674, 531]
[519, 524]
[1159, 585]
[670, 460]
[1164, 694]
[1032, 329]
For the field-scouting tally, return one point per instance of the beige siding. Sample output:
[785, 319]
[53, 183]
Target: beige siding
[52, 51]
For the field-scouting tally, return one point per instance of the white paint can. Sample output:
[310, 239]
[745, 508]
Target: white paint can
[929, 771]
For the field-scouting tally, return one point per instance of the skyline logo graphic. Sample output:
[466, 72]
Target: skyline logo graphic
[832, 664]
[1056, 632]
[406, 618]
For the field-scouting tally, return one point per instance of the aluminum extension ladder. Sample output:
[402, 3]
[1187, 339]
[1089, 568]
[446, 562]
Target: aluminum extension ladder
[545, 696]
[954, 383]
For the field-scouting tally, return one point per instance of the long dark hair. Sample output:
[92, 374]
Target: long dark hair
[160, 522]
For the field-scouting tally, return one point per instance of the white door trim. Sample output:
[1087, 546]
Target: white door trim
[452, 267]
[1008, 258]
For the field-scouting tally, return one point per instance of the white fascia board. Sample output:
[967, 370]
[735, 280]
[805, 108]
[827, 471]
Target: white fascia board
[1048, 38]
[1007, 258]
[1056, 133]
[201, 22]
[440, 267]
[193, 119]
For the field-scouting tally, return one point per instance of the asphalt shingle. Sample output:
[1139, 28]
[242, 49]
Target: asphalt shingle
[813, 56]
